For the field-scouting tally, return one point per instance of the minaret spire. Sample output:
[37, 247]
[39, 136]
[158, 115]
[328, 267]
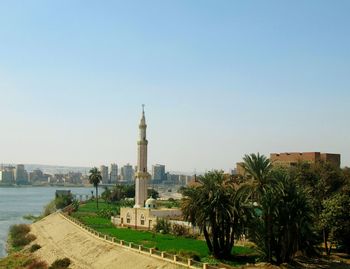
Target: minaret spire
[142, 175]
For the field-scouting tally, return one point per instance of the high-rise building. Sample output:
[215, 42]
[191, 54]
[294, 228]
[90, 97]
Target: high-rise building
[21, 175]
[114, 173]
[127, 173]
[7, 175]
[38, 176]
[73, 177]
[158, 173]
[142, 176]
[104, 174]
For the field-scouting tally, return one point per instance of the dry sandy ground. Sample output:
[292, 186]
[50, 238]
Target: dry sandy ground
[60, 238]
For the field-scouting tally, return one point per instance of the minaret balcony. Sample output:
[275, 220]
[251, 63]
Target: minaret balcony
[143, 175]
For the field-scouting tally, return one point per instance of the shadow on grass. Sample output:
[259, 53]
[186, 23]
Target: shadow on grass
[238, 260]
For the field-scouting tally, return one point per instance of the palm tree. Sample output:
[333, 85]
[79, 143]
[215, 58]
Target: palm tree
[291, 217]
[257, 169]
[257, 173]
[210, 204]
[282, 226]
[95, 178]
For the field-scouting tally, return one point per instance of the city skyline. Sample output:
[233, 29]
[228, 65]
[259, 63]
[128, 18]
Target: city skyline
[218, 80]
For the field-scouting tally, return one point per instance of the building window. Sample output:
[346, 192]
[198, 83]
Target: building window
[128, 218]
[142, 219]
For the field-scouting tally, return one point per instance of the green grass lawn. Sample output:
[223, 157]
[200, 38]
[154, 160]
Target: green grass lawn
[90, 206]
[87, 214]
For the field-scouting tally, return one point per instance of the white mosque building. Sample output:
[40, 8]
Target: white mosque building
[144, 214]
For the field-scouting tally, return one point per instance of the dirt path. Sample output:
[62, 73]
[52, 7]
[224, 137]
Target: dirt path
[60, 238]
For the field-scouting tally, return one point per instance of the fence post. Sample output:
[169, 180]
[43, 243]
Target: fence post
[175, 258]
[105, 237]
[130, 245]
[189, 262]
[162, 254]
[113, 239]
[140, 248]
[151, 251]
[205, 266]
[121, 242]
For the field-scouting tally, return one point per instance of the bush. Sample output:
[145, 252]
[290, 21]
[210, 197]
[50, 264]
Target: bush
[106, 213]
[19, 230]
[22, 240]
[163, 226]
[35, 264]
[180, 230]
[75, 205]
[34, 248]
[63, 201]
[60, 263]
[20, 235]
[190, 255]
[49, 208]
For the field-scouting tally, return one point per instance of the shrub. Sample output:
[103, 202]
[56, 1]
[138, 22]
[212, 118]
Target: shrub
[36, 264]
[60, 263]
[179, 230]
[189, 254]
[63, 201]
[31, 237]
[22, 240]
[34, 247]
[75, 205]
[106, 213]
[163, 226]
[49, 208]
[19, 235]
[19, 229]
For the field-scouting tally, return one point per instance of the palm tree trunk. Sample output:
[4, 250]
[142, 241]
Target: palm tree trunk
[97, 196]
[207, 239]
[325, 241]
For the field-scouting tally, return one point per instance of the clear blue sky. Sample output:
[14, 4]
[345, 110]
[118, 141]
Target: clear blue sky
[219, 79]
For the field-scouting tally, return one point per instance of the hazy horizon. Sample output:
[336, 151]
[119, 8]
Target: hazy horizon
[219, 80]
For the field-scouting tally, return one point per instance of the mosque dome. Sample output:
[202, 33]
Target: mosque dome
[151, 203]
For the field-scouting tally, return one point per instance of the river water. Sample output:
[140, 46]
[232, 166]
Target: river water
[18, 202]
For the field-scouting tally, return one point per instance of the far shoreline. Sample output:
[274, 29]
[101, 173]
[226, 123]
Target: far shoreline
[43, 186]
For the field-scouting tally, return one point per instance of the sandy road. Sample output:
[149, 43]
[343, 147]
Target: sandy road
[60, 238]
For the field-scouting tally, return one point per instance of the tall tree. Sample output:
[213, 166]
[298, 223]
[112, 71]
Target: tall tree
[257, 174]
[282, 225]
[257, 169]
[322, 180]
[210, 204]
[95, 178]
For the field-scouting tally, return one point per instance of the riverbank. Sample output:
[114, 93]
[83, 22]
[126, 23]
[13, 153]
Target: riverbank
[59, 238]
[15, 203]
[45, 185]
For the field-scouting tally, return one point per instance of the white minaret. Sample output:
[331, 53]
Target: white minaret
[142, 175]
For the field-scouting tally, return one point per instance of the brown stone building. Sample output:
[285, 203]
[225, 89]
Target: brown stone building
[292, 158]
